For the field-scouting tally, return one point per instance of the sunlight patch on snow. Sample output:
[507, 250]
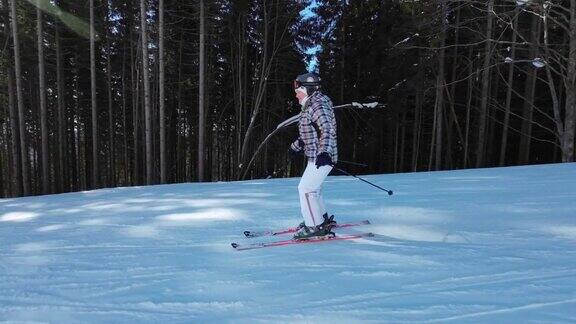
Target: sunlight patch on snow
[254, 183]
[469, 178]
[95, 221]
[18, 217]
[244, 194]
[66, 210]
[142, 231]
[524, 208]
[369, 274]
[29, 205]
[323, 317]
[34, 247]
[474, 188]
[136, 205]
[31, 254]
[196, 306]
[165, 207]
[340, 179]
[215, 214]
[139, 200]
[98, 192]
[203, 203]
[343, 202]
[515, 309]
[103, 206]
[563, 231]
[32, 260]
[50, 228]
[35, 314]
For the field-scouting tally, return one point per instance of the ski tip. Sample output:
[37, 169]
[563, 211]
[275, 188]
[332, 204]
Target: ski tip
[366, 222]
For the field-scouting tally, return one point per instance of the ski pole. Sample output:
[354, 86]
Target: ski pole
[353, 163]
[390, 192]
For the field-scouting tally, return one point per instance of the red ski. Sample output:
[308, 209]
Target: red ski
[318, 239]
[295, 229]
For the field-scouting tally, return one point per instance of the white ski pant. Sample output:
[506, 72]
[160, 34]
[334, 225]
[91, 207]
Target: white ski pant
[310, 189]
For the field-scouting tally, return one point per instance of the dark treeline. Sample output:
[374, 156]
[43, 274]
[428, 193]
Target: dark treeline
[463, 83]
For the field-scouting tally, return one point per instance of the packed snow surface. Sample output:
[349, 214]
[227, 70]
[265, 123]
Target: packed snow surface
[484, 246]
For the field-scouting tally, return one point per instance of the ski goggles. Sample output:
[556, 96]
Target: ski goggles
[299, 87]
[298, 84]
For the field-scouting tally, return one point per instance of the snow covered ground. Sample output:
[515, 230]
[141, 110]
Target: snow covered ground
[482, 246]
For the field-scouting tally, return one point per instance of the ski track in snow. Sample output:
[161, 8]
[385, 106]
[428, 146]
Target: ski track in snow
[482, 246]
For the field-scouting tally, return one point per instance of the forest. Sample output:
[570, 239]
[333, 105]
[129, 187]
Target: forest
[102, 93]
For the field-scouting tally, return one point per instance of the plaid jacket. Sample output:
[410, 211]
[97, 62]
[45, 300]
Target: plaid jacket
[317, 117]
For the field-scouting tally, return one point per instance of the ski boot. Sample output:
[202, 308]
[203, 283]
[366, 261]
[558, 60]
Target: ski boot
[320, 231]
[308, 232]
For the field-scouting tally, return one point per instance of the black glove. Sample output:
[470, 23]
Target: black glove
[294, 154]
[323, 159]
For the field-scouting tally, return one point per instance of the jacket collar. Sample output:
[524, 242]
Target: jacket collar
[307, 100]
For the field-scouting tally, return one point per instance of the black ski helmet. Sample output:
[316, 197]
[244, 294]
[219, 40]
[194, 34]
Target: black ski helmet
[310, 81]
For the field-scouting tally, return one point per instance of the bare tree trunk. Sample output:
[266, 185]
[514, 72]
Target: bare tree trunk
[20, 100]
[61, 174]
[126, 161]
[452, 117]
[417, 119]
[75, 132]
[161, 93]
[529, 92]
[491, 117]
[440, 96]
[343, 53]
[239, 85]
[570, 85]
[16, 178]
[506, 121]
[468, 108]
[146, 81]
[16, 165]
[264, 68]
[134, 74]
[201, 71]
[4, 154]
[82, 156]
[111, 123]
[552, 86]
[43, 108]
[78, 129]
[439, 117]
[433, 140]
[180, 159]
[402, 141]
[439, 103]
[396, 145]
[481, 149]
[95, 155]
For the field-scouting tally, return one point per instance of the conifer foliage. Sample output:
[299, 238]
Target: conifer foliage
[109, 94]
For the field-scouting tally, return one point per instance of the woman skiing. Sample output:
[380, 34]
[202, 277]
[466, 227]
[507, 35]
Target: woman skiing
[317, 142]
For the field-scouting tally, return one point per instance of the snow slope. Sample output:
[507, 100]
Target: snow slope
[482, 246]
